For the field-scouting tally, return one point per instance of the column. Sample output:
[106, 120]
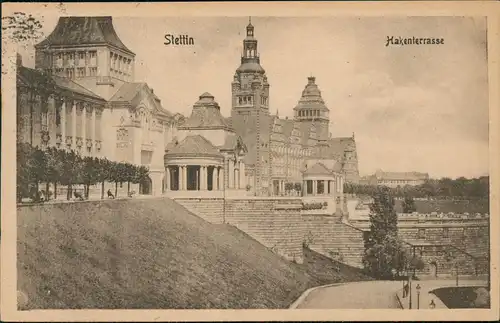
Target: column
[63, 124]
[92, 137]
[167, 179]
[214, 179]
[203, 178]
[315, 187]
[231, 174]
[304, 187]
[73, 121]
[243, 182]
[184, 179]
[221, 178]
[179, 178]
[84, 129]
[51, 119]
[325, 187]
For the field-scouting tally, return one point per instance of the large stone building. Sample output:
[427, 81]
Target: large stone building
[395, 179]
[99, 109]
[278, 147]
[95, 106]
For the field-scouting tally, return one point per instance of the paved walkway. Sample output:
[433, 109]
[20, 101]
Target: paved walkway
[423, 300]
[359, 295]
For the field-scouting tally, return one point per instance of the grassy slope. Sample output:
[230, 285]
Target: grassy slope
[152, 254]
[473, 206]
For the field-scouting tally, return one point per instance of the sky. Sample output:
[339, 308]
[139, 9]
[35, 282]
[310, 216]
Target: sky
[412, 108]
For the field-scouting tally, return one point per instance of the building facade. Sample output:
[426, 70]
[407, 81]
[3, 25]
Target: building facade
[278, 146]
[95, 106]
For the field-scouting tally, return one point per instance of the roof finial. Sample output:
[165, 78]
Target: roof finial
[277, 113]
[353, 135]
[249, 20]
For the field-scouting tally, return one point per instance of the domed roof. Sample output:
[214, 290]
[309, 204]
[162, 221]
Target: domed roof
[250, 67]
[206, 115]
[311, 96]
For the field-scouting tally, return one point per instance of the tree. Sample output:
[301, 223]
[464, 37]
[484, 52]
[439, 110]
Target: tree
[381, 247]
[89, 174]
[298, 187]
[288, 186]
[104, 172]
[409, 205]
[24, 155]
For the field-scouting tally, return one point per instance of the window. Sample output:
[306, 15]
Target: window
[81, 72]
[446, 232]
[93, 71]
[93, 57]
[70, 73]
[59, 60]
[81, 56]
[421, 233]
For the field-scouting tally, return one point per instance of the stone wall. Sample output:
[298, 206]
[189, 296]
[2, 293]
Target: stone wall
[328, 236]
[274, 222]
[210, 209]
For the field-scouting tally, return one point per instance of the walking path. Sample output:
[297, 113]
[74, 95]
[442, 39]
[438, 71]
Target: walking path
[423, 299]
[358, 295]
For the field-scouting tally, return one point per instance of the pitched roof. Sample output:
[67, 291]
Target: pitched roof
[318, 169]
[194, 146]
[34, 78]
[206, 114]
[128, 93]
[83, 31]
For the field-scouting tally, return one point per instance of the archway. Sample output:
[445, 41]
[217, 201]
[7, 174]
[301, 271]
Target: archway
[145, 187]
[433, 269]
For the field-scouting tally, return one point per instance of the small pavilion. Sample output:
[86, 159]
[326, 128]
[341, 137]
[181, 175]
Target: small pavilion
[207, 155]
[323, 184]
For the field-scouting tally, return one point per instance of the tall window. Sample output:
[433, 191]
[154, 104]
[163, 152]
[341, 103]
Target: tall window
[421, 233]
[93, 58]
[81, 72]
[70, 73]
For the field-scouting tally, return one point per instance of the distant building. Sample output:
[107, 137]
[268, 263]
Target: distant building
[395, 179]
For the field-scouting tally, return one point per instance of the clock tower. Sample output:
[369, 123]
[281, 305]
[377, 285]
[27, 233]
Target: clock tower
[250, 112]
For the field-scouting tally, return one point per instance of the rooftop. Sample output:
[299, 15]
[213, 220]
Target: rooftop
[84, 31]
[196, 146]
[206, 115]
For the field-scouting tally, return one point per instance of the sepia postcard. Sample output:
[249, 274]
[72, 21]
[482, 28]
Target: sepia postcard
[250, 162]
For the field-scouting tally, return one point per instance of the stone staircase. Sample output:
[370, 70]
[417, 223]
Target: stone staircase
[329, 236]
[211, 210]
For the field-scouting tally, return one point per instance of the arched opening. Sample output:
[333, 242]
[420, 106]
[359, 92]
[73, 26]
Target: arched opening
[145, 186]
[433, 269]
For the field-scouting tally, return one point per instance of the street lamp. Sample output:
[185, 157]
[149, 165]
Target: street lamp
[418, 296]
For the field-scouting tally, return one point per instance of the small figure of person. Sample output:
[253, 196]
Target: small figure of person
[78, 195]
[406, 289]
[110, 195]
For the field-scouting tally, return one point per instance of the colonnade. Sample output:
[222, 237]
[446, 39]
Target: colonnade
[61, 122]
[323, 186]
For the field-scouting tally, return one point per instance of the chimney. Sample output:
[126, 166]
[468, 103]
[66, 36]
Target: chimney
[19, 60]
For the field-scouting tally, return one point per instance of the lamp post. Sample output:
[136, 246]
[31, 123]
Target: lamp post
[418, 296]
